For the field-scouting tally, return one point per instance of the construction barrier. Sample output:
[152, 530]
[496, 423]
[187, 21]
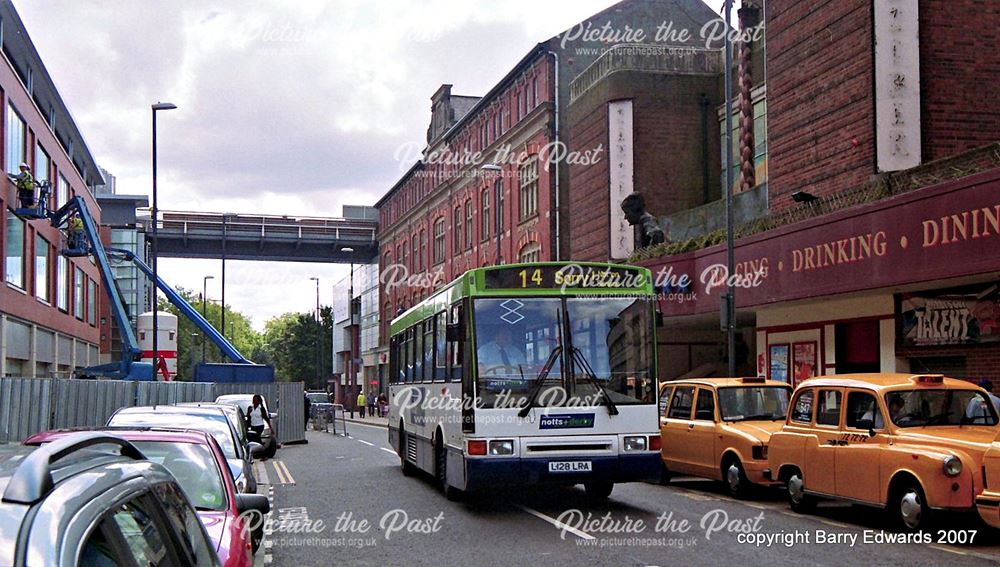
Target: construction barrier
[30, 405]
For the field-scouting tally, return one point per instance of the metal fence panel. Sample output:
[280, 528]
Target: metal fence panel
[25, 407]
[85, 403]
[291, 412]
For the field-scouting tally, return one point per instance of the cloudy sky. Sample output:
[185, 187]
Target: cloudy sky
[284, 107]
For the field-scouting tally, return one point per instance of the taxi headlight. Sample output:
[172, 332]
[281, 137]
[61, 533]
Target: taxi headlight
[952, 466]
[505, 447]
[635, 443]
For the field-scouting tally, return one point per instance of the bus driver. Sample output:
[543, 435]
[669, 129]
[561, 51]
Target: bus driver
[499, 355]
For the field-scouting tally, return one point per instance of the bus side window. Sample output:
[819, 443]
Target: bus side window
[428, 352]
[394, 360]
[440, 356]
[409, 355]
[455, 347]
[418, 352]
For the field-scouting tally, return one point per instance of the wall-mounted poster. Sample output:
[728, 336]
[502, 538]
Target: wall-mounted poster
[803, 361]
[957, 316]
[778, 355]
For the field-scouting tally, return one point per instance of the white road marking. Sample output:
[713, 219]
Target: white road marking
[556, 523]
[390, 451]
[365, 442]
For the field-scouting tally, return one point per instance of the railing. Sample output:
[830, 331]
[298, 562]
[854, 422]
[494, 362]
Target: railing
[262, 226]
[651, 58]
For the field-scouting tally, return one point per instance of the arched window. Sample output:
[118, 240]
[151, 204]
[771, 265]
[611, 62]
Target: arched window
[530, 252]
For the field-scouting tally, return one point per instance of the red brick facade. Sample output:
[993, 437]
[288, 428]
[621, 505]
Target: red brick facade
[21, 302]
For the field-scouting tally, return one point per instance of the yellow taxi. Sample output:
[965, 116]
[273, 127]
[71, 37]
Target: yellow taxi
[909, 443]
[719, 428]
[988, 503]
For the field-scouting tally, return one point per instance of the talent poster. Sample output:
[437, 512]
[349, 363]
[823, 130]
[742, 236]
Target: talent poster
[779, 362]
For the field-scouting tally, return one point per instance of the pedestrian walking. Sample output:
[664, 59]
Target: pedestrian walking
[362, 402]
[257, 416]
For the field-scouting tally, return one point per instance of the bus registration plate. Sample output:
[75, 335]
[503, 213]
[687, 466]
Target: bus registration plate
[569, 466]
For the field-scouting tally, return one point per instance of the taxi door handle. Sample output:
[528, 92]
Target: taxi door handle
[833, 442]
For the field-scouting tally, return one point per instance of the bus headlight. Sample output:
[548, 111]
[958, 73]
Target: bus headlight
[952, 466]
[635, 443]
[505, 447]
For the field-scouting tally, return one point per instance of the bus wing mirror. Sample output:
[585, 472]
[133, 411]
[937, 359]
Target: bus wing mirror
[453, 333]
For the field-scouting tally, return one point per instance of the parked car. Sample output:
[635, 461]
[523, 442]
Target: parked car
[719, 428]
[988, 502]
[195, 459]
[232, 412]
[909, 444]
[209, 420]
[243, 401]
[75, 500]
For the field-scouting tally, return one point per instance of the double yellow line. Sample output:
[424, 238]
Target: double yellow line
[283, 473]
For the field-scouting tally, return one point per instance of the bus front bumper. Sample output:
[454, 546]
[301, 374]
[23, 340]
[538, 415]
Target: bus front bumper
[487, 473]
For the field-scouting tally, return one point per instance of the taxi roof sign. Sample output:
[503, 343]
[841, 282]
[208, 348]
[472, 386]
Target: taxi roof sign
[927, 378]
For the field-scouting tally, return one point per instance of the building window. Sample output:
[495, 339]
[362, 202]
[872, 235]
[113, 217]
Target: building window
[13, 272]
[534, 92]
[41, 268]
[468, 223]
[531, 252]
[759, 141]
[42, 164]
[484, 214]
[62, 191]
[528, 178]
[404, 257]
[62, 283]
[91, 302]
[457, 227]
[500, 206]
[415, 259]
[439, 241]
[15, 145]
[78, 293]
[423, 248]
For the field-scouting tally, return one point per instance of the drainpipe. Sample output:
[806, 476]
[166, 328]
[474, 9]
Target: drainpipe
[555, 138]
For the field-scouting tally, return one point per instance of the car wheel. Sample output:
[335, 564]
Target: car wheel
[797, 497]
[408, 468]
[908, 507]
[735, 478]
[272, 448]
[598, 490]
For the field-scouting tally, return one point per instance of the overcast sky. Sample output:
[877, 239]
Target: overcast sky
[284, 107]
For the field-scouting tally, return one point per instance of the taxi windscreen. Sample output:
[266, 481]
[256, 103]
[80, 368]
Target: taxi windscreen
[919, 408]
[753, 403]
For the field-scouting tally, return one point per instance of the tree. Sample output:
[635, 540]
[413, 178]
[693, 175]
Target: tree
[189, 346]
[290, 343]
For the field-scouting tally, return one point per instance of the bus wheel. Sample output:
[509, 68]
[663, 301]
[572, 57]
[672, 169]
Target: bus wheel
[441, 468]
[598, 490]
[408, 468]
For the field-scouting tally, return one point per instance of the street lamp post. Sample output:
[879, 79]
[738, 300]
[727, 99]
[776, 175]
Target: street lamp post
[730, 301]
[350, 319]
[319, 334]
[193, 339]
[204, 309]
[497, 188]
[155, 219]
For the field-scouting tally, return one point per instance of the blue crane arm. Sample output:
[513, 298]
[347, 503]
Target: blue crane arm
[190, 312]
[130, 346]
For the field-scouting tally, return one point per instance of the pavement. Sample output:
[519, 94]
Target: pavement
[345, 501]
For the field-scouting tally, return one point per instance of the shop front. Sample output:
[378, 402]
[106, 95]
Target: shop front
[903, 284]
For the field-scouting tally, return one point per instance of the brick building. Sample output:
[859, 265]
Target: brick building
[48, 303]
[440, 219]
[877, 246]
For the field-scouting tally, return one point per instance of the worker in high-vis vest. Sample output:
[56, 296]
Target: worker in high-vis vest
[25, 183]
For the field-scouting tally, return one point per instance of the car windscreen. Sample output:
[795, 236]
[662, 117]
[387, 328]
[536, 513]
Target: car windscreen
[746, 403]
[195, 469]
[919, 408]
[216, 428]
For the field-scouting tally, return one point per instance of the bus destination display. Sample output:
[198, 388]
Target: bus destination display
[564, 277]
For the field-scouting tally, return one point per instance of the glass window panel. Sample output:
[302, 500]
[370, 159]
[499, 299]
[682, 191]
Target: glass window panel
[41, 268]
[14, 251]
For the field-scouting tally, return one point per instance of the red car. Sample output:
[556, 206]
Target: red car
[195, 459]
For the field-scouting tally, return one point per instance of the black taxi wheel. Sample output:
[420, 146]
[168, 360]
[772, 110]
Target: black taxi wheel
[735, 478]
[800, 502]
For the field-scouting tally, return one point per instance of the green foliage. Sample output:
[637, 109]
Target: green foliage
[289, 341]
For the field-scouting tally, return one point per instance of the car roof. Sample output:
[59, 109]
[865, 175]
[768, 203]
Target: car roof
[749, 381]
[189, 410]
[131, 433]
[888, 381]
